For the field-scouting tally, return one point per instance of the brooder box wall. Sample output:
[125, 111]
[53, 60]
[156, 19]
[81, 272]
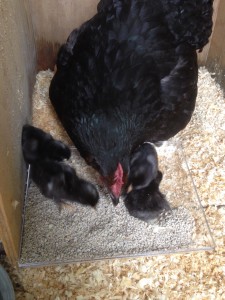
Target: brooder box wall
[53, 20]
[216, 55]
[17, 75]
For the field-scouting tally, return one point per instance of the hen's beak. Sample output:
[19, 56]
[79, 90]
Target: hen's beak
[114, 184]
[115, 200]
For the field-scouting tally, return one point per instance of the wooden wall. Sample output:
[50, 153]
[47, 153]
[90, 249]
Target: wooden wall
[216, 54]
[17, 61]
[53, 20]
[203, 56]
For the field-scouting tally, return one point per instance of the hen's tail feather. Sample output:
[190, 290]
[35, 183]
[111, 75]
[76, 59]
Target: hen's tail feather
[190, 21]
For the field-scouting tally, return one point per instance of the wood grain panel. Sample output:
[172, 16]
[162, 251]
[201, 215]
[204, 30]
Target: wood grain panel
[17, 60]
[53, 20]
[216, 56]
[203, 56]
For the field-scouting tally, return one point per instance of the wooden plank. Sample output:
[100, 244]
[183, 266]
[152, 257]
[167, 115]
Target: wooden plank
[216, 56]
[18, 59]
[202, 57]
[53, 20]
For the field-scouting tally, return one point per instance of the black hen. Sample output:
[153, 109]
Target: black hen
[129, 75]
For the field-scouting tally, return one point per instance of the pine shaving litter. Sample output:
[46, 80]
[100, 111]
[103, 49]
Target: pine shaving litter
[195, 276]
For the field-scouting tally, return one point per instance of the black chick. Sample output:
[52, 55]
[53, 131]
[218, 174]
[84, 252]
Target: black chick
[128, 75]
[147, 203]
[59, 182]
[38, 145]
[143, 166]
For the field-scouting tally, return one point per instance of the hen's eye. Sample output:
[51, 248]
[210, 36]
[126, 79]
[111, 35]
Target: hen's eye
[95, 165]
[92, 162]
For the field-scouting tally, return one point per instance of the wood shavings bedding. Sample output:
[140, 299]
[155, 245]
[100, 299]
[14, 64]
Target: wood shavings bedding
[108, 232]
[181, 276]
[204, 139]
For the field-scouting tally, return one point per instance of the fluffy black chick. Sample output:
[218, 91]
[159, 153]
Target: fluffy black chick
[128, 75]
[147, 203]
[38, 145]
[143, 166]
[59, 182]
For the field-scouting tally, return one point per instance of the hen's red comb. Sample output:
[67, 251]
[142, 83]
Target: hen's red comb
[118, 181]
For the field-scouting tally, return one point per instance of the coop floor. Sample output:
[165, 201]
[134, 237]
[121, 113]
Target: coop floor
[183, 276]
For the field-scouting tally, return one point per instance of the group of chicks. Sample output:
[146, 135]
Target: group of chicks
[55, 179]
[58, 181]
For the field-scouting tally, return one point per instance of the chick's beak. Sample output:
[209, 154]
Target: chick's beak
[130, 188]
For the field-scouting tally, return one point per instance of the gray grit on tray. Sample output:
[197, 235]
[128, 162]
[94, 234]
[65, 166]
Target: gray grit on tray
[79, 233]
[82, 233]
[107, 232]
